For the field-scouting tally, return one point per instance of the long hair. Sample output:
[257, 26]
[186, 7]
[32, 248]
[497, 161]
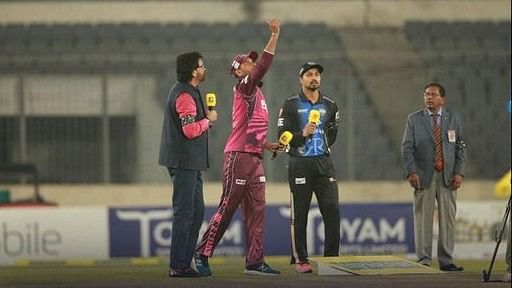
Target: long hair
[186, 63]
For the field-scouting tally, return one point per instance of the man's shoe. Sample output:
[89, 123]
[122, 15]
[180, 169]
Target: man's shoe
[183, 273]
[424, 262]
[203, 267]
[303, 267]
[451, 268]
[506, 277]
[263, 270]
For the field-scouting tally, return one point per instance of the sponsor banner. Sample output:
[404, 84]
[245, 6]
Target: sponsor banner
[146, 232]
[99, 233]
[376, 229]
[365, 228]
[53, 234]
[476, 228]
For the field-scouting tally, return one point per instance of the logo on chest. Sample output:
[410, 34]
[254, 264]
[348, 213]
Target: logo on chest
[264, 105]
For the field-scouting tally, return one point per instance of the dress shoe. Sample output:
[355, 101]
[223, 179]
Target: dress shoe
[451, 268]
[424, 262]
[184, 273]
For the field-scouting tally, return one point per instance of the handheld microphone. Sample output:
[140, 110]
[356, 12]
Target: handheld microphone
[284, 140]
[211, 101]
[314, 116]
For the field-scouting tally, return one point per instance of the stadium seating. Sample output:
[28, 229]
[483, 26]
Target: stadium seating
[472, 60]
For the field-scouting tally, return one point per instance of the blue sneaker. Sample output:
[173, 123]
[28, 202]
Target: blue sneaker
[263, 270]
[202, 267]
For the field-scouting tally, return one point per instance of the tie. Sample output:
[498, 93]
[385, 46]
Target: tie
[438, 144]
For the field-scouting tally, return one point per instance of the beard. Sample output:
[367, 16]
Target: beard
[202, 77]
[313, 86]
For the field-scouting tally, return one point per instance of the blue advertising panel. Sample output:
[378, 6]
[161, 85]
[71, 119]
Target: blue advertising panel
[377, 228]
[365, 229]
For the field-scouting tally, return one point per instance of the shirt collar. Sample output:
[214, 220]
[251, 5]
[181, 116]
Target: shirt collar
[303, 97]
[440, 112]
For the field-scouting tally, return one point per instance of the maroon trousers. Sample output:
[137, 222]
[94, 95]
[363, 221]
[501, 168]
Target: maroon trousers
[243, 184]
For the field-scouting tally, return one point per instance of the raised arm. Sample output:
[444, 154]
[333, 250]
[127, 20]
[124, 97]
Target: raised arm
[274, 26]
[250, 82]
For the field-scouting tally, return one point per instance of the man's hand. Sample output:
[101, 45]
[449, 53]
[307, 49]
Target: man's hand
[280, 149]
[414, 180]
[309, 129]
[211, 115]
[273, 147]
[456, 182]
[274, 26]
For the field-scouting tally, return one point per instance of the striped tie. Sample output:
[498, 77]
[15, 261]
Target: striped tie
[438, 144]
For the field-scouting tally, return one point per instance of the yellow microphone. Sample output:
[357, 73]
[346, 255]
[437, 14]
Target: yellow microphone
[284, 140]
[314, 116]
[211, 101]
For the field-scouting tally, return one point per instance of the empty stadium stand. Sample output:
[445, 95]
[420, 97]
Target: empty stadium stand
[472, 60]
[474, 69]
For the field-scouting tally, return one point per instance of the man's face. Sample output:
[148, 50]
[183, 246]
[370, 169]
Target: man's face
[433, 99]
[245, 68]
[311, 79]
[200, 72]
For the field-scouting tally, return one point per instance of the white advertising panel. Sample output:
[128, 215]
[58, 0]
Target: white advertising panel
[40, 233]
[476, 226]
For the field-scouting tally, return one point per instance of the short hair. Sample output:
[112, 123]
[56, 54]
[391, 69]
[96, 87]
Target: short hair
[186, 63]
[439, 86]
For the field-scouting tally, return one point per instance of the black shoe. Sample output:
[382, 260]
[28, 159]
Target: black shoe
[423, 262]
[451, 268]
[184, 273]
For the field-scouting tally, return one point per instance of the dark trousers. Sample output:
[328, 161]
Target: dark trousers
[187, 217]
[305, 176]
[243, 184]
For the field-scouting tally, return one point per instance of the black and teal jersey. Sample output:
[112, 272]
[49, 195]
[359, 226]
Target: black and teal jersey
[293, 117]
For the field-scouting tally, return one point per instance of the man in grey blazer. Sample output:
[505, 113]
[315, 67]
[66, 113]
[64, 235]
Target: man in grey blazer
[433, 156]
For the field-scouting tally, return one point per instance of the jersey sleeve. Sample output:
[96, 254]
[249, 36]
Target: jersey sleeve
[186, 108]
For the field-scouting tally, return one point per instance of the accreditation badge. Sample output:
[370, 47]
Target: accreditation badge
[451, 136]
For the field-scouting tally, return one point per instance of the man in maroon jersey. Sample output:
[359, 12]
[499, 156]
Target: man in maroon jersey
[243, 181]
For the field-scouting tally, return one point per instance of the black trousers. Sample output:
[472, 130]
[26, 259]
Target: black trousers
[188, 214]
[305, 176]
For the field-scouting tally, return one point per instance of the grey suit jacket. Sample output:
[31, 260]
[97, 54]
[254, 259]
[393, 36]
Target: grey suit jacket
[418, 146]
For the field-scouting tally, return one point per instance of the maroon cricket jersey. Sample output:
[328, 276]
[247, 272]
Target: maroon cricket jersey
[250, 114]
